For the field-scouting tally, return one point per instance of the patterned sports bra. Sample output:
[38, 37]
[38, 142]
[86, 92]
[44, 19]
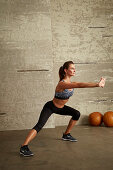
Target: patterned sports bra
[66, 94]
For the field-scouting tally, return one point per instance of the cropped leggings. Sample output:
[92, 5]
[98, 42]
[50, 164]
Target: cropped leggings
[50, 108]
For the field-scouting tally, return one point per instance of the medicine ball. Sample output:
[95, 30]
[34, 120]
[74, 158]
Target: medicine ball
[108, 119]
[95, 118]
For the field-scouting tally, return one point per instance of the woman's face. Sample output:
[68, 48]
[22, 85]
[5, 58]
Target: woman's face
[71, 70]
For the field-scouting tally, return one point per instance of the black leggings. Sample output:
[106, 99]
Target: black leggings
[50, 108]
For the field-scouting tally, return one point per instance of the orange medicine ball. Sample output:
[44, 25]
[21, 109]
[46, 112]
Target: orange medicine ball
[95, 118]
[108, 119]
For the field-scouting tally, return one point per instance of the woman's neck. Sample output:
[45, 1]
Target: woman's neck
[67, 79]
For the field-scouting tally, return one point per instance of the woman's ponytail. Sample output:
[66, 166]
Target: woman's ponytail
[61, 73]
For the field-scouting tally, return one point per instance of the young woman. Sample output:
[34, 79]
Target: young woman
[64, 90]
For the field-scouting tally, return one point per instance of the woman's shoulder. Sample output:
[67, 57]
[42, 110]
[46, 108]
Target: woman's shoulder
[58, 88]
[60, 82]
[63, 84]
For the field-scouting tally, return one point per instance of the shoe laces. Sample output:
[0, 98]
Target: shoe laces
[26, 148]
[69, 134]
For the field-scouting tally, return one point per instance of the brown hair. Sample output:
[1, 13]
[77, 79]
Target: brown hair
[61, 69]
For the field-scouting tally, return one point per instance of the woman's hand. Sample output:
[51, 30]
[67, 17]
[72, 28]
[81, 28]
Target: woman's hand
[102, 82]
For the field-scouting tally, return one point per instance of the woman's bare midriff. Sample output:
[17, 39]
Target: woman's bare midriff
[59, 103]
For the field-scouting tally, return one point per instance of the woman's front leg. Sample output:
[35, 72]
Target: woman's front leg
[70, 126]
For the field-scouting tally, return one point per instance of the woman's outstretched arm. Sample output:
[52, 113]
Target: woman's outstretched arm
[65, 85]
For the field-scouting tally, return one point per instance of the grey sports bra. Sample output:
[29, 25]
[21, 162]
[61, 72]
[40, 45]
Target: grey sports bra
[66, 94]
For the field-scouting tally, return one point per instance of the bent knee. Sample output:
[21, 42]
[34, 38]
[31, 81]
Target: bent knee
[76, 115]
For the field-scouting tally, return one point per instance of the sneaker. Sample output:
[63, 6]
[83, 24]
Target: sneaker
[24, 150]
[68, 137]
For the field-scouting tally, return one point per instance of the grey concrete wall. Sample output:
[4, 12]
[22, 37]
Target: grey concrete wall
[26, 76]
[36, 38]
[83, 32]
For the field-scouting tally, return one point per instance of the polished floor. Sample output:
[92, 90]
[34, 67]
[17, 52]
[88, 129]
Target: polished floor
[93, 151]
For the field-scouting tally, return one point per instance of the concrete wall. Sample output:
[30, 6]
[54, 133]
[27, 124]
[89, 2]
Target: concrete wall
[36, 38]
[26, 65]
[83, 32]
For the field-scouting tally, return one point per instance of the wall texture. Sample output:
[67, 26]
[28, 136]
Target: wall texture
[82, 31]
[36, 38]
[26, 65]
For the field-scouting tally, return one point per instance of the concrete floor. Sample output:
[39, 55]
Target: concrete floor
[93, 151]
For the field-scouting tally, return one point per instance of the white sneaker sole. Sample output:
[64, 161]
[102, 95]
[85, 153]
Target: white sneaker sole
[26, 155]
[69, 140]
